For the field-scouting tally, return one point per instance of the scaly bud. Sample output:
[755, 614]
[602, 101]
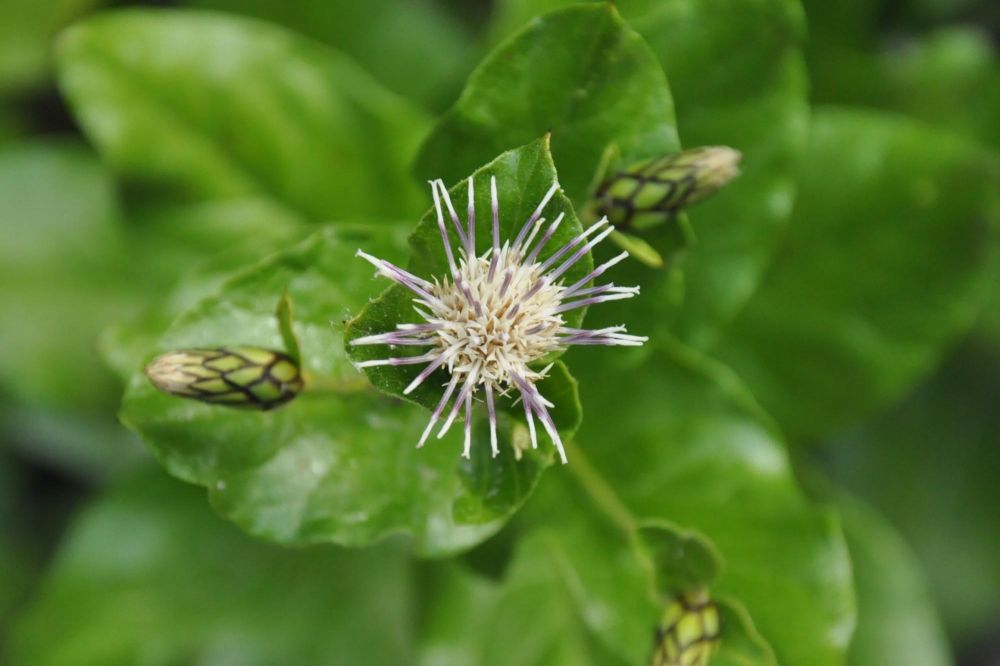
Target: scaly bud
[647, 193]
[248, 377]
[688, 632]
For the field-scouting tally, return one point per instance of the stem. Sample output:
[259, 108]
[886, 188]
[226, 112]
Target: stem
[611, 505]
[601, 493]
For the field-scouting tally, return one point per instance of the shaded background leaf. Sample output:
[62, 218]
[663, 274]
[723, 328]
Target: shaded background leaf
[148, 575]
[929, 466]
[64, 273]
[421, 49]
[883, 267]
[580, 74]
[896, 621]
[196, 107]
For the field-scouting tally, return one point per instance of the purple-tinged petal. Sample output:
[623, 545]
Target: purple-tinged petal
[534, 217]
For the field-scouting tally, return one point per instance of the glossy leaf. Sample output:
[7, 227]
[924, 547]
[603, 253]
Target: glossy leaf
[622, 581]
[882, 269]
[148, 575]
[681, 455]
[339, 462]
[531, 618]
[580, 74]
[684, 448]
[737, 76]
[577, 588]
[206, 107]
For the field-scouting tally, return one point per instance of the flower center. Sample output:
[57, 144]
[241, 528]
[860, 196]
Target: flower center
[497, 318]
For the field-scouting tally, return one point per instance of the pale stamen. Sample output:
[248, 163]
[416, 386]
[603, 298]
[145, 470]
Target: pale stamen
[491, 410]
[437, 411]
[444, 232]
[495, 210]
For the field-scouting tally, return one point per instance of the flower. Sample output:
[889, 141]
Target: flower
[497, 314]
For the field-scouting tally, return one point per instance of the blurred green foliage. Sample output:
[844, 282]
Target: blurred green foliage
[821, 371]
[148, 575]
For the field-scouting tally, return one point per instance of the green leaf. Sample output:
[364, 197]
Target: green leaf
[148, 575]
[191, 107]
[186, 253]
[639, 249]
[417, 49]
[19, 542]
[674, 444]
[680, 560]
[339, 462]
[947, 73]
[577, 587]
[63, 275]
[26, 30]
[580, 74]
[929, 465]
[881, 270]
[523, 176]
[736, 73]
[57, 277]
[951, 79]
[696, 472]
[897, 623]
[742, 644]
[531, 618]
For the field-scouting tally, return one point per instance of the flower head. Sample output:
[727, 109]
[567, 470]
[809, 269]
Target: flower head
[496, 315]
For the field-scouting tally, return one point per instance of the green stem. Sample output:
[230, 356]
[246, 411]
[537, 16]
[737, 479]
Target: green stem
[611, 505]
[601, 493]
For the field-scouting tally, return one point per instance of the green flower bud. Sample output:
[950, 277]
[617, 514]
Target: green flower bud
[248, 377]
[647, 193]
[689, 631]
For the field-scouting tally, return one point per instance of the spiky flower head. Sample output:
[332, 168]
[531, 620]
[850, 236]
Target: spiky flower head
[495, 316]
